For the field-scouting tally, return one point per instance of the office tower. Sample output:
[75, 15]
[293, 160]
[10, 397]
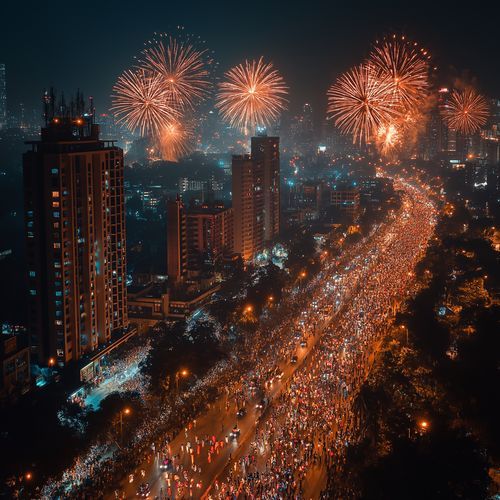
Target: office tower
[248, 206]
[266, 158]
[176, 240]
[75, 236]
[209, 234]
[3, 97]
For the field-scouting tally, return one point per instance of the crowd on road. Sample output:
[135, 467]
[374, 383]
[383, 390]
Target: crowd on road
[312, 422]
[309, 420]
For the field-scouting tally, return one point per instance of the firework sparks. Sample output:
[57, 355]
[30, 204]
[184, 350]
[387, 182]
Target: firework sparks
[406, 65]
[388, 138]
[466, 111]
[253, 94]
[183, 70]
[140, 102]
[174, 140]
[361, 103]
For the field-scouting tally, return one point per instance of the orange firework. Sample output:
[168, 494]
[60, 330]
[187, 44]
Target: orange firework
[183, 68]
[140, 102]
[253, 94]
[466, 111]
[406, 66]
[388, 138]
[360, 103]
[174, 140]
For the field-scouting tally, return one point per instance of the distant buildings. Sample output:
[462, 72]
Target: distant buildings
[3, 97]
[256, 196]
[75, 237]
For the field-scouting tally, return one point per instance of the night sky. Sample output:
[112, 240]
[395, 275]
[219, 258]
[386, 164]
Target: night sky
[88, 44]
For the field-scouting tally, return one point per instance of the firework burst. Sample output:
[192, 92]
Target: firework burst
[183, 67]
[388, 138]
[406, 65]
[140, 102]
[466, 111]
[253, 94]
[360, 103]
[174, 140]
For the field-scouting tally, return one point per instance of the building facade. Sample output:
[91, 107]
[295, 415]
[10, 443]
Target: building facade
[75, 238]
[176, 240]
[209, 235]
[265, 154]
[248, 206]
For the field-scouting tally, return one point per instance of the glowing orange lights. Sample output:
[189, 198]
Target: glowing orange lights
[252, 94]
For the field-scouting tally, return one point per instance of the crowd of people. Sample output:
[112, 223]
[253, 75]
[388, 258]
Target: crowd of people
[303, 434]
[312, 421]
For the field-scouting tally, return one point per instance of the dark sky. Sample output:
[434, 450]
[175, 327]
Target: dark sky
[75, 44]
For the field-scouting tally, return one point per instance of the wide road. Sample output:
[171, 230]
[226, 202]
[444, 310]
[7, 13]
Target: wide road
[307, 419]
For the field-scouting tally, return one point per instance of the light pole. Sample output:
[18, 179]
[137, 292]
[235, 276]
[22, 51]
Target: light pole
[183, 373]
[125, 411]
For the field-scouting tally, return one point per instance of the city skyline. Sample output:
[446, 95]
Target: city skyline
[251, 252]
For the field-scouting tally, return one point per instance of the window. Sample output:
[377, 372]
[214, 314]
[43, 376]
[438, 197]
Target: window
[54, 171]
[55, 194]
[32, 292]
[32, 274]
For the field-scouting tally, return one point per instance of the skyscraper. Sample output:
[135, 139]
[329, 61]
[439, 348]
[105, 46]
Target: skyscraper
[248, 206]
[266, 157]
[75, 236]
[3, 97]
[176, 240]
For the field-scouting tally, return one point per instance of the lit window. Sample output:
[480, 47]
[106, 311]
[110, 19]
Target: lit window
[32, 292]
[55, 171]
[55, 204]
[32, 274]
[55, 194]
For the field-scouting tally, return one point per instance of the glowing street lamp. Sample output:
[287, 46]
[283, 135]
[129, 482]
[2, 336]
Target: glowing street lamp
[125, 411]
[180, 373]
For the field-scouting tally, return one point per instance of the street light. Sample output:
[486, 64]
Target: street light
[423, 424]
[184, 373]
[125, 411]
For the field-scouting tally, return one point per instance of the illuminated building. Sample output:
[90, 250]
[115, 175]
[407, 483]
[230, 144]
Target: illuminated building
[209, 235]
[75, 236]
[176, 240]
[248, 206]
[346, 200]
[256, 196]
[3, 97]
[197, 237]
[266, 156]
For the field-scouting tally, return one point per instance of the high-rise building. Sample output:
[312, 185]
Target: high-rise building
[266, 157]
[209, 234]
[256, 196]
[176, 240]
[75, 236]
[3, 97]
[248, 206]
